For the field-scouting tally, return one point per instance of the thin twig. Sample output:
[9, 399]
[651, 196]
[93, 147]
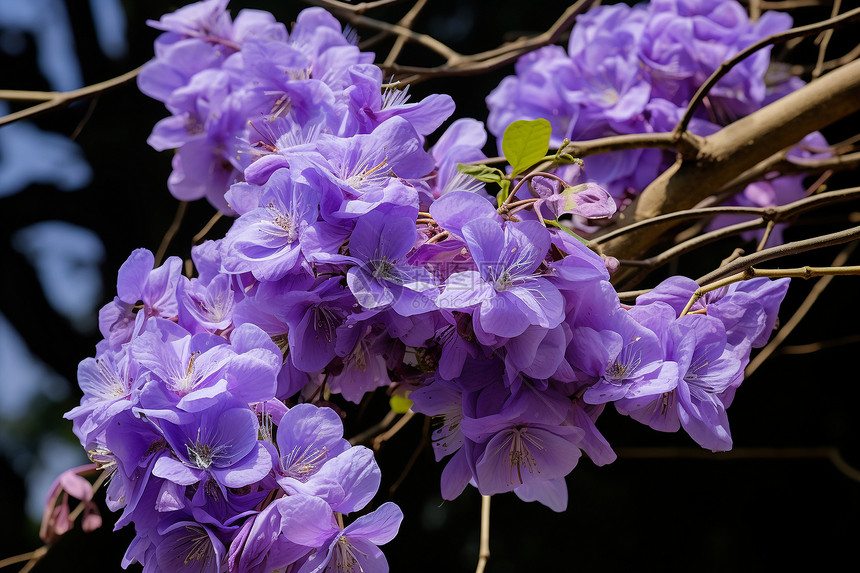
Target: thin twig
[825, 41]
[785, 250]
[171, 232]
[335, 6]
[828, 453]
[766, 235]
[799, 69]
[798, 315]
[813, 347]
[755, 10]
[35, 554]
[406, 22]
[425, 439]
[62, 99]
[696, 242]
[778, 213]
[33, 557]
[207, 227]
[84, 120]
[388, 434]
[751, 273]
[484, 550]
[460, 64]
[381, 426]
[727, 66]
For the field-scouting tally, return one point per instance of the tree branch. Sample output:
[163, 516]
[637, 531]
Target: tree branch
[785, 250]
[736, 148]
[62, 99]
[456, 63]
[798, 315]
[780, 38]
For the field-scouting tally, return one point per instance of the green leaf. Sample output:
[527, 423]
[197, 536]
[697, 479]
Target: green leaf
[570, 232]
[525, 143]
[400, 404]
[483, 173]
[503, 194]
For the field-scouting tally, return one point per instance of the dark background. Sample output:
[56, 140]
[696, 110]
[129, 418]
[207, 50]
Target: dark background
[684, 512]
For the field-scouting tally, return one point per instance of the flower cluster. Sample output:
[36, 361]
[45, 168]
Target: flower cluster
[634, 70]
[179, 405]
[215, 75]
[359, 260]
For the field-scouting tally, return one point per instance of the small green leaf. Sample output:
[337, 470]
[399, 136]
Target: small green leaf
[400, 404]
[503, 194]
[570, 232]
[525, 143]
[483, 173]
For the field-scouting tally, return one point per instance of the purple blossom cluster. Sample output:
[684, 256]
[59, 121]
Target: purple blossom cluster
[635, 69]
[359, 260]
[215, 472]
[224, 81]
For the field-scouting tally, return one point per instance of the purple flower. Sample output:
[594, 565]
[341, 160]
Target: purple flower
[625, 360]
[697, 343]
[316, 460]
[108, 382]
[206, 308]
[522, 440]
[268, 240]
[748, 309]
[462, 142]
[370, 105]
[355, 547]
[188, 373]
[363, 366]
[505, 292]
[138, 282]
[317, 323]
[218, 443]
[381, 277]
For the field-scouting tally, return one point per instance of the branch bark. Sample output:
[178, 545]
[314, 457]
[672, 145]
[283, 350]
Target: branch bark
[736, 148]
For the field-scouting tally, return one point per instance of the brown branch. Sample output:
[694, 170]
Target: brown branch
[736, 148]
[752, 273]
[779, 164]
[687, 145]
[785, 250]
[813, 347]
[770, 217]
[335, 6]
[460, 64]
[381, 426]
[388, 434]
[825, 41]
[692, 244]
[790, 4]
[484, 551]
[36, 555]
[779, 213]
[406, 22]
[795, 319]
[206, 228]
[62, 99]
[782, 37]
